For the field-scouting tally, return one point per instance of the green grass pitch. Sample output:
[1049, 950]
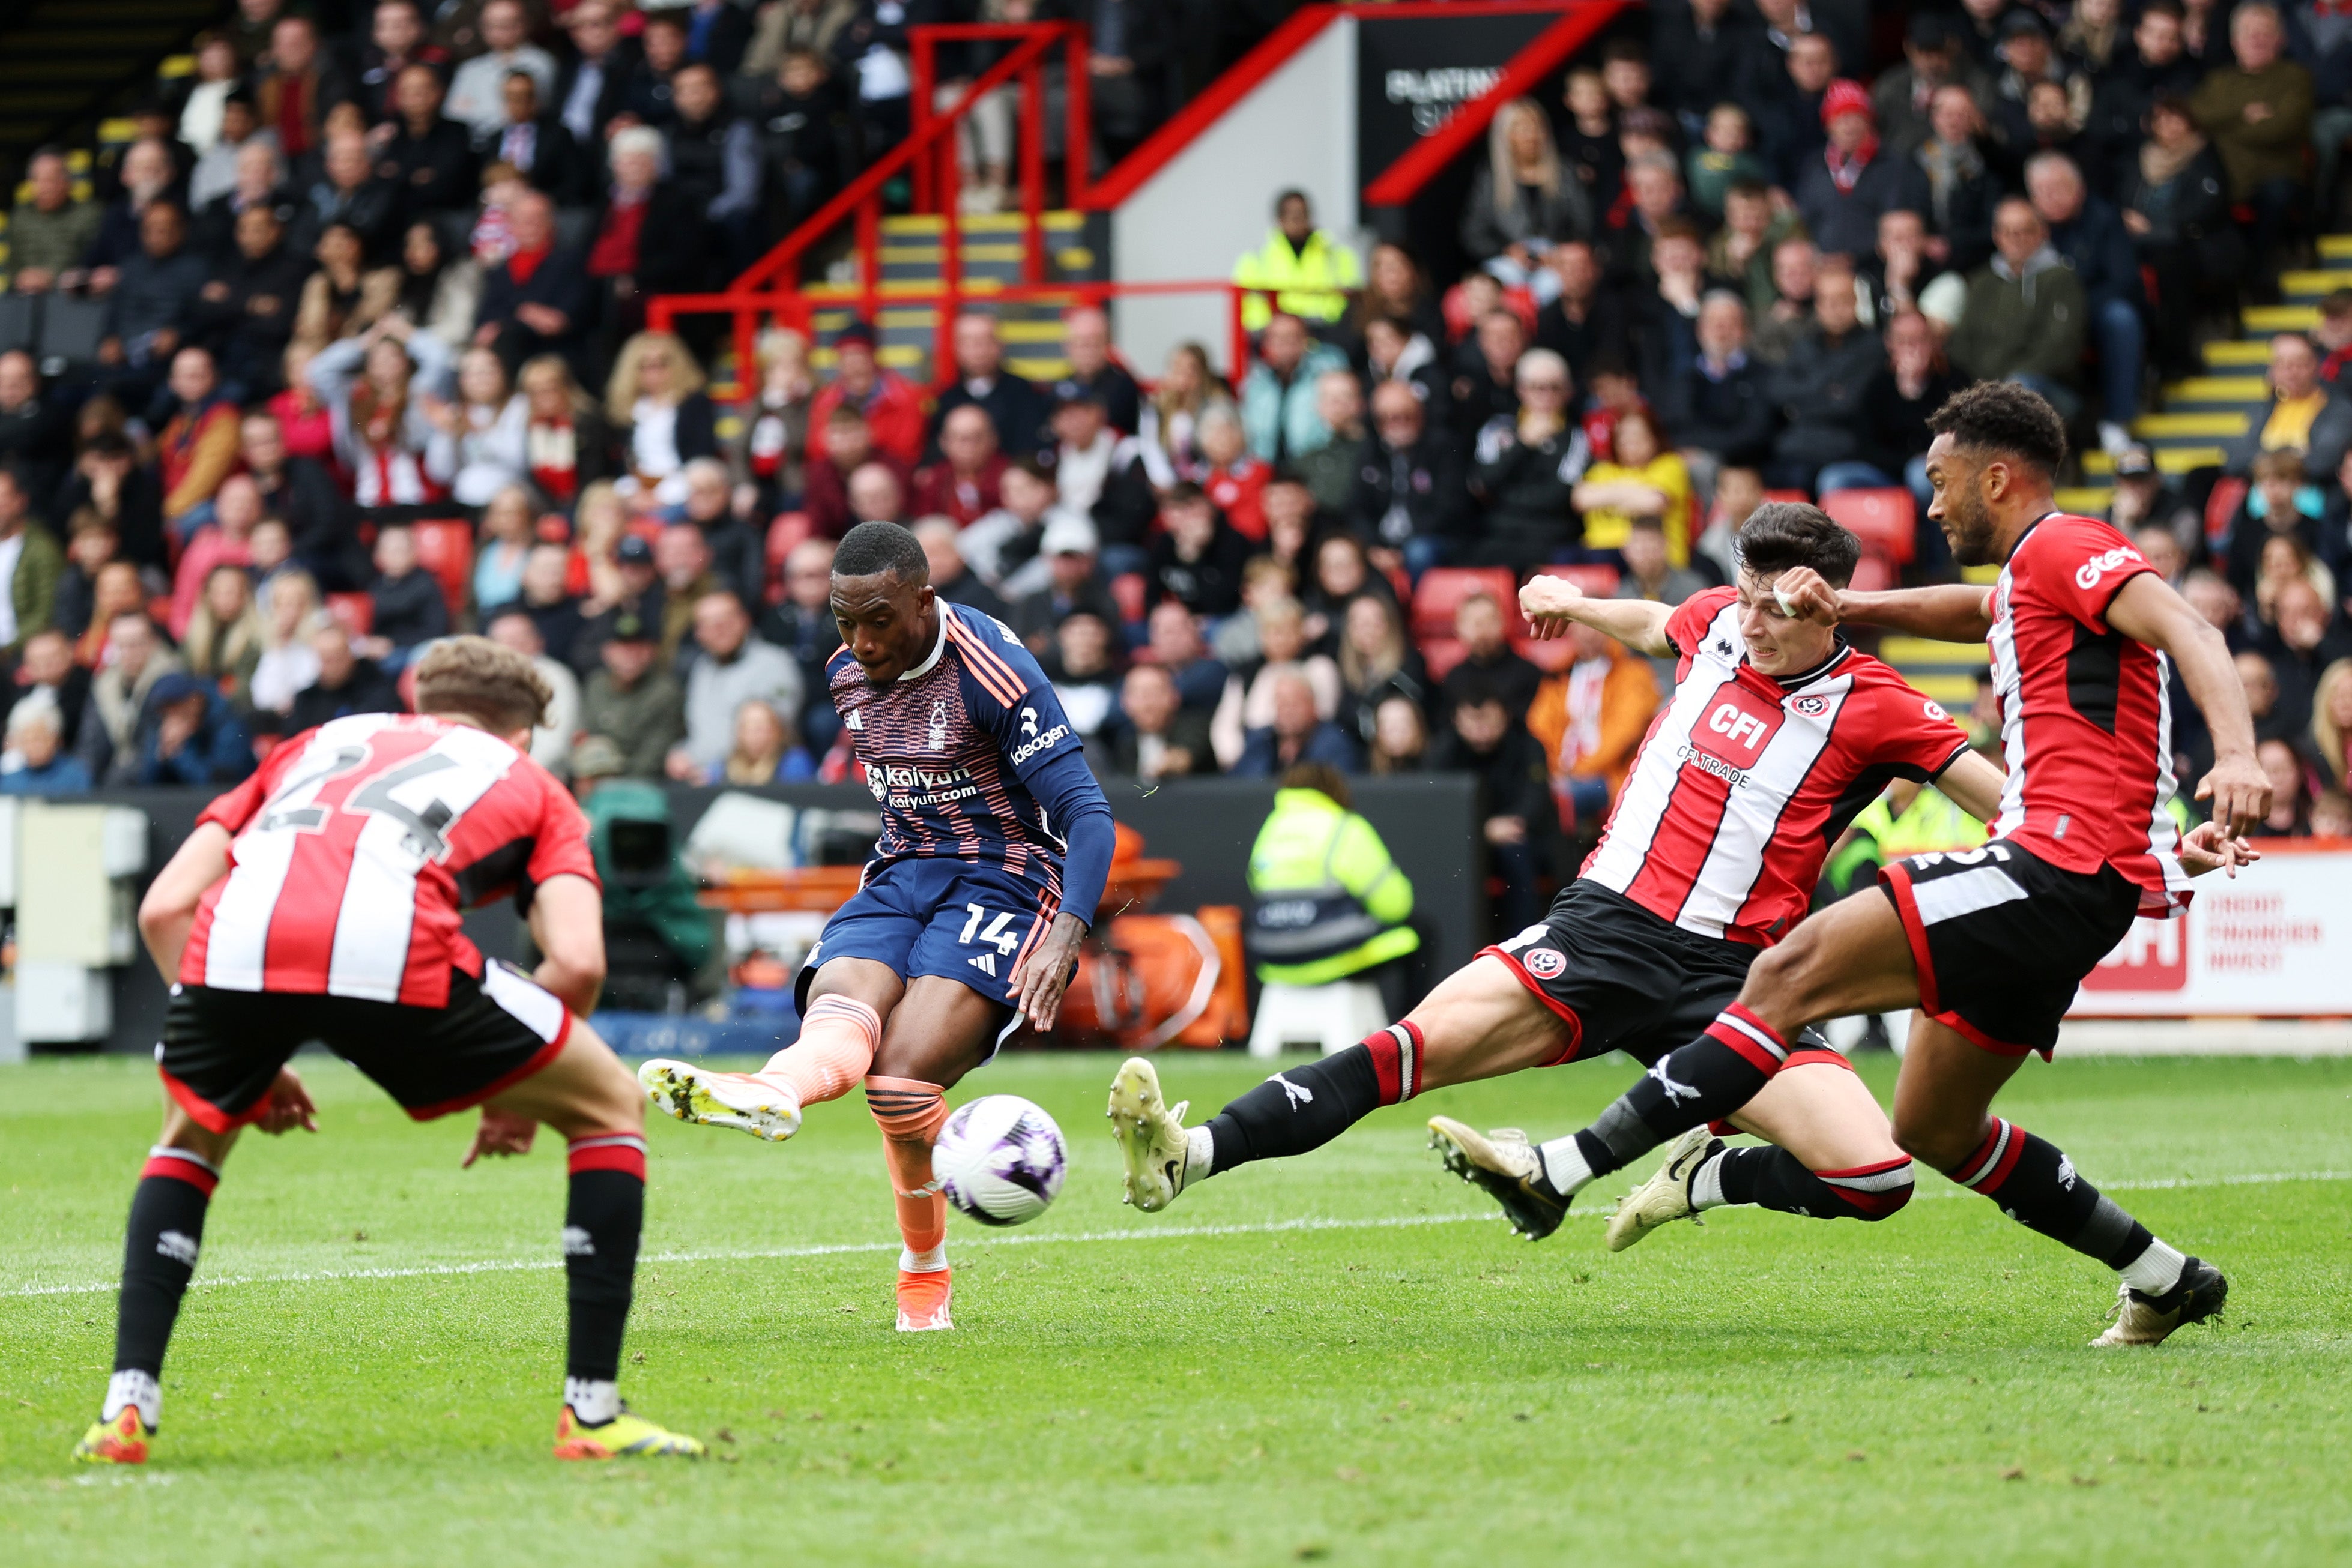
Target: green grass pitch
[1342, 1357]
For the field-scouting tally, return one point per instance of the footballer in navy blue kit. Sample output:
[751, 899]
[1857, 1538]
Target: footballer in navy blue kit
[996, 842]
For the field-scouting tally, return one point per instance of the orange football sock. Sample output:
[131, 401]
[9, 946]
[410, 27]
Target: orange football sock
[838, 1040]
[910, 1112]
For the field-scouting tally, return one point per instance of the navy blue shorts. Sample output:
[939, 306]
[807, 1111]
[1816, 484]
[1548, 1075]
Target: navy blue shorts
[971, 924]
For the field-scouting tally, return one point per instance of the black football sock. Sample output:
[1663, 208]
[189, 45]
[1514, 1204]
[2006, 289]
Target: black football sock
[602, 1221]
[1705, 1082]
[159, 1255]
[1304, 1108]
[1774, 1178]
[2037, 1185]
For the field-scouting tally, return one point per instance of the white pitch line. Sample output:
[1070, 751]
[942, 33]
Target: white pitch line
[1275, 1228]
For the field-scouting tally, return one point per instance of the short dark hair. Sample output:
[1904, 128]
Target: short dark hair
[2005, 418]
[1618, 49]
[873, 548]
[1319, 777]
[1780, 535]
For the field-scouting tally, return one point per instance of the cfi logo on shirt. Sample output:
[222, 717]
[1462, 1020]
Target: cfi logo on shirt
[2087, 575]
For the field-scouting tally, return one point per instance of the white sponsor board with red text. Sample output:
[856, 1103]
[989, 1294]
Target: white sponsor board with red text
[2276, 942]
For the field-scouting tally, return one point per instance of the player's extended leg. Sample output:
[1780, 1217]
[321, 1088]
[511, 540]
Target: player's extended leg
[587, 1095]
[1943, 1100]
[1851, 957]
[1479, 1022]
[839, 1036]
[1832, 1155]
[940, 1030]
[159, 1257]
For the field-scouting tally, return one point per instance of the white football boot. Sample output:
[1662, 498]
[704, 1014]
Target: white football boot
[1151, 1138]
[743, 1101]
[1666, 1195]
[2142, 1319]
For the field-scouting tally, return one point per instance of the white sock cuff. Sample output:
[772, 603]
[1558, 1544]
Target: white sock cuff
[594, 1400]
[137, 1388]
[2156, 1270]
[1707, 1182]
[1564, 1166]
[1200, 1154]
[929, 1262]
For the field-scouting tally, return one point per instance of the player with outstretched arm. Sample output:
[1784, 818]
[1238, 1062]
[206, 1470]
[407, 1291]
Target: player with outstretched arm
[996, 843]
[319, 900]
[1991, 944]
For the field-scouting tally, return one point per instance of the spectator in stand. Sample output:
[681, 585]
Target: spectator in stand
[33, 428]
[535, 301]
[1330, 471]
[1795, 276]
[765, 750]
[1643, 479]
[2278, 503]
[655, 397]
[246, 314]
[547, 596]
[2025, 316]
[1702, 53]
[650, 238]
[592, 77]
[1295, 734]
[1188, 389]
[384, 437]
[2300, 645]
[424, 155]
[1396, 288]
[802, 623]
[1247, 702]
[1522, 200]
[2289, 791]
[2146, 505]
[396, 40]
[1100, 473]
[49, 231]
[197, 447]
[350, 194]
[153, 302]
[2091, 236]
[1904, 97]
[2331, 723]
[1527, 469]
[225, 539]
[1233, 479]
[2027, 65]
[137, 658]
[876, 495]
[952, 578]
[1004, 548]
[714, 157]
[1740, 254]
[300, 492]
[2332, 332]
[1909, 387]
[1175, 645]
[222, 640]
[1960, 187]
[1083, 665]
[1841, 196]
[729, 667]
[189, 735]
[738, 554]
[1485, 738]
[90, 547]
[531, 138]
[1017, 408]
[1407, 493]
[31, 564]
[1892, 276]
[1278, 396]
[808, 136]
[36, 737]
[650, 96]
[1300, 271]
[1086, 344]
[1487, 662]
[148, 173]
[347, 682]
[2304, 416]
[1160, 736]
[963, 483]
[1394, 352]
[1588, 137]
[486, 420]
[343, 298]
[1377, 661]
[1069, 547]
[1196, 559]
[1591, 719]
[1822, 390]
[48, 671]
[892, 409]
[1718, 406]
[503, 543]
[477, 87]
[550, 741]
[297, 86]
[2258, 112]
[1655, 182]
[1399, 736]
[632, 702]
[766, 454]
[108, 479]
[1790, 111]
[409, 609]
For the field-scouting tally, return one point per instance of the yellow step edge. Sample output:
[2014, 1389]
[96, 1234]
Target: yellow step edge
[2157, 427]
[2219, 388]
[2087, 501]
[1038, 370]
[1029, 332]
[1907, 651]
[1980, 576]
[2335, 247]
[2281, 318]
[1957, 693]
[2168, 460]
[2315, 282]
[2234, 354]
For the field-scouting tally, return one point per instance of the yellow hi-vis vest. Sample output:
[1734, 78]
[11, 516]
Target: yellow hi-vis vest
[1326, 902]
[1306, 283]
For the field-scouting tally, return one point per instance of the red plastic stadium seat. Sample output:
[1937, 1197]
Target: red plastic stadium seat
[1444, 587]
[1441, 653]
[1802, 498]
[1884, 520]
[445, 548]
[1127, 588]
[2222, 509]
[1551, 655]
[1597, 581]
[1872, 574]
[355, 610]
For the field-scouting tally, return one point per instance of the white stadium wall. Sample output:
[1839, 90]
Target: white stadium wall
[1214, 200]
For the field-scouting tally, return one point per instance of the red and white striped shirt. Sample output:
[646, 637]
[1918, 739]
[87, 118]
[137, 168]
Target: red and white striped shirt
[2085, 729]
[356, 846]
[1745, 780]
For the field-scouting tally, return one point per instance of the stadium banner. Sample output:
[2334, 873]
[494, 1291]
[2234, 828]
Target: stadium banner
[2275, 943]
[1413, 72]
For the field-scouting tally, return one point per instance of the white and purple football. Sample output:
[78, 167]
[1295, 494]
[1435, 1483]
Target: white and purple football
[1000, 1160]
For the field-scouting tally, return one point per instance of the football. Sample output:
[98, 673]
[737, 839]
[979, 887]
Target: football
[1000, 1160]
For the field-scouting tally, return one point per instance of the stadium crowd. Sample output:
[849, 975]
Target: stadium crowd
[370, 365]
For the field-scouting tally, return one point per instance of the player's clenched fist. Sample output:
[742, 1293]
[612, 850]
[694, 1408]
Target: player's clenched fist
[1805, 594]
[1545, 602]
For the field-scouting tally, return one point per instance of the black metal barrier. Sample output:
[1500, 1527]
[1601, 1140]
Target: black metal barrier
[1206, 824]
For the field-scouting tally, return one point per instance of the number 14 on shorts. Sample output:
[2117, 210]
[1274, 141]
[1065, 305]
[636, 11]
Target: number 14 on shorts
[1005, 941]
